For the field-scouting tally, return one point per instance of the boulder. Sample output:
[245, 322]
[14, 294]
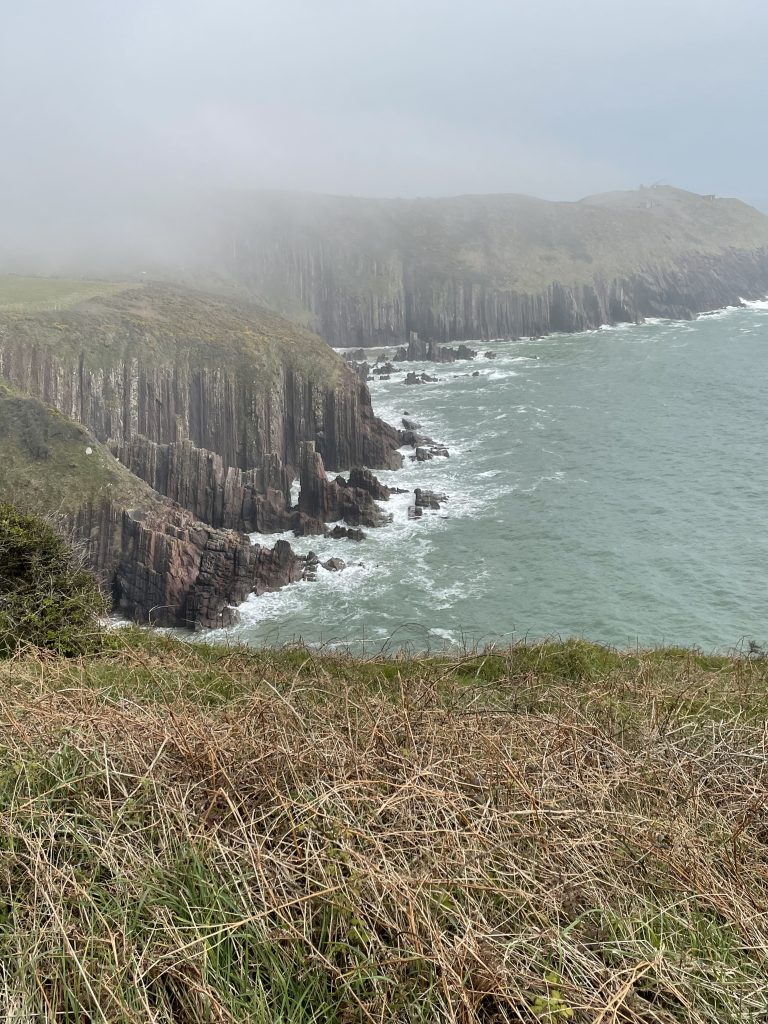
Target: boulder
[428, 499]
[350, 532]
[335, 564]
[411, 424]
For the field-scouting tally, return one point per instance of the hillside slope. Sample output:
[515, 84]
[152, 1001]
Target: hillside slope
[370, 271]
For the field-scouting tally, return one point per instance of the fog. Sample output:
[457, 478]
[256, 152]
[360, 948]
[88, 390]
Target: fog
[105, 108]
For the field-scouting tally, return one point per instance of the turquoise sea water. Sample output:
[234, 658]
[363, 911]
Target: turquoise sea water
[611, 485]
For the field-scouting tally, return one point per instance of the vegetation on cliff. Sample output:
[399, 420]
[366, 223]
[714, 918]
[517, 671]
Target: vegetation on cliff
[52, 465]
[48, 600]
[549, 833]
[159, 325]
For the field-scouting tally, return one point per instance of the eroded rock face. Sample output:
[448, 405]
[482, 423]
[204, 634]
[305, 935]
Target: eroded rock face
[254, 501]
[326, 500]
[208, 405]
[217, 410]
[371, 274]
[165, 568]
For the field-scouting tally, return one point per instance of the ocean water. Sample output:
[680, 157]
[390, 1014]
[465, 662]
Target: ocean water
[611, 485]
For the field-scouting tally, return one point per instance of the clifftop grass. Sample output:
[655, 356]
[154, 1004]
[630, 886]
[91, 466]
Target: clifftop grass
[161, 325]
[45, 465]
[19, 294]
[550, 833]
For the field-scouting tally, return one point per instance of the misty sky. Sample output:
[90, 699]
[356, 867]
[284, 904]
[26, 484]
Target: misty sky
[382, 97]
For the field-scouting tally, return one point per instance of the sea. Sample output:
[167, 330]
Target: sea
[610, 485]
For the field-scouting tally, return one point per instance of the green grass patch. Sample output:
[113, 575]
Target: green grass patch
[37, 294]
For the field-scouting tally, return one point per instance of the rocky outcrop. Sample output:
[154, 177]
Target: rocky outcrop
[325, 500]
[424, 499]
[424, 453]
[419, 378]
[258, 500]
[159, 562]
[165, 568]
[420, 351]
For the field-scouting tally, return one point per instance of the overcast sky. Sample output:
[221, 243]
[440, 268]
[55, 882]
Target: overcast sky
[557, 98]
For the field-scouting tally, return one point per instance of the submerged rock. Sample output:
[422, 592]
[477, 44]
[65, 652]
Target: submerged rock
[419, 378]
[410, 424]
[350, 532]
[335, 564]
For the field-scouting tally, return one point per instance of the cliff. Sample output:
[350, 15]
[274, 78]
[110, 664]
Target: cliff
[171, 365]
[160, 564]
[369, 272]
[253, 501]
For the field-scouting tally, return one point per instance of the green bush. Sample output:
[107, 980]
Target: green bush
[47, 599]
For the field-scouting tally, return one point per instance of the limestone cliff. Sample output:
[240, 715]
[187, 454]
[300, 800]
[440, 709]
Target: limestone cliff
[369, 272]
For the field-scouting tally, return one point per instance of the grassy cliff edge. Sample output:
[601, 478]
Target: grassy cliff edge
[544, 833]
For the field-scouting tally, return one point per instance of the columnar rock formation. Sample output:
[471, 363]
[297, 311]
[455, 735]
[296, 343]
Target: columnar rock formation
[207, 406]
[171, 365]
[323, 500]
[370, 272]
[167, 569]
[253, 501]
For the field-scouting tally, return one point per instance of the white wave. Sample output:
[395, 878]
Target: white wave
[761, 304]
[719, 314]
[292, 599]
[501, 374]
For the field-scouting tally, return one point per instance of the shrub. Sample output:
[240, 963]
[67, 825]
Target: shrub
[47, 598]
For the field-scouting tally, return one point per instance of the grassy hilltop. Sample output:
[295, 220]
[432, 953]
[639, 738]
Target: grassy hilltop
[550, 833]
[158, 324]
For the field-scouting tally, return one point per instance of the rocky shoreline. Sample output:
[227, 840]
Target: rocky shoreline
[169, 455]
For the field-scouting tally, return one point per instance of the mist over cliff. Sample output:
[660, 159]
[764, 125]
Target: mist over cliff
[367, 272]
[372, 271]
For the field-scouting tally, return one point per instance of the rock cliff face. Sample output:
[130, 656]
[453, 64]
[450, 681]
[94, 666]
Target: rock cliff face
[161, 564]
[253, 501]
[370, 272]
[207, 405]
[325, 500]
[167, 569]
[170, 365]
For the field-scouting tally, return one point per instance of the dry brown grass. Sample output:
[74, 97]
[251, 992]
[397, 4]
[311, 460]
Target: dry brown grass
[541, 834]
